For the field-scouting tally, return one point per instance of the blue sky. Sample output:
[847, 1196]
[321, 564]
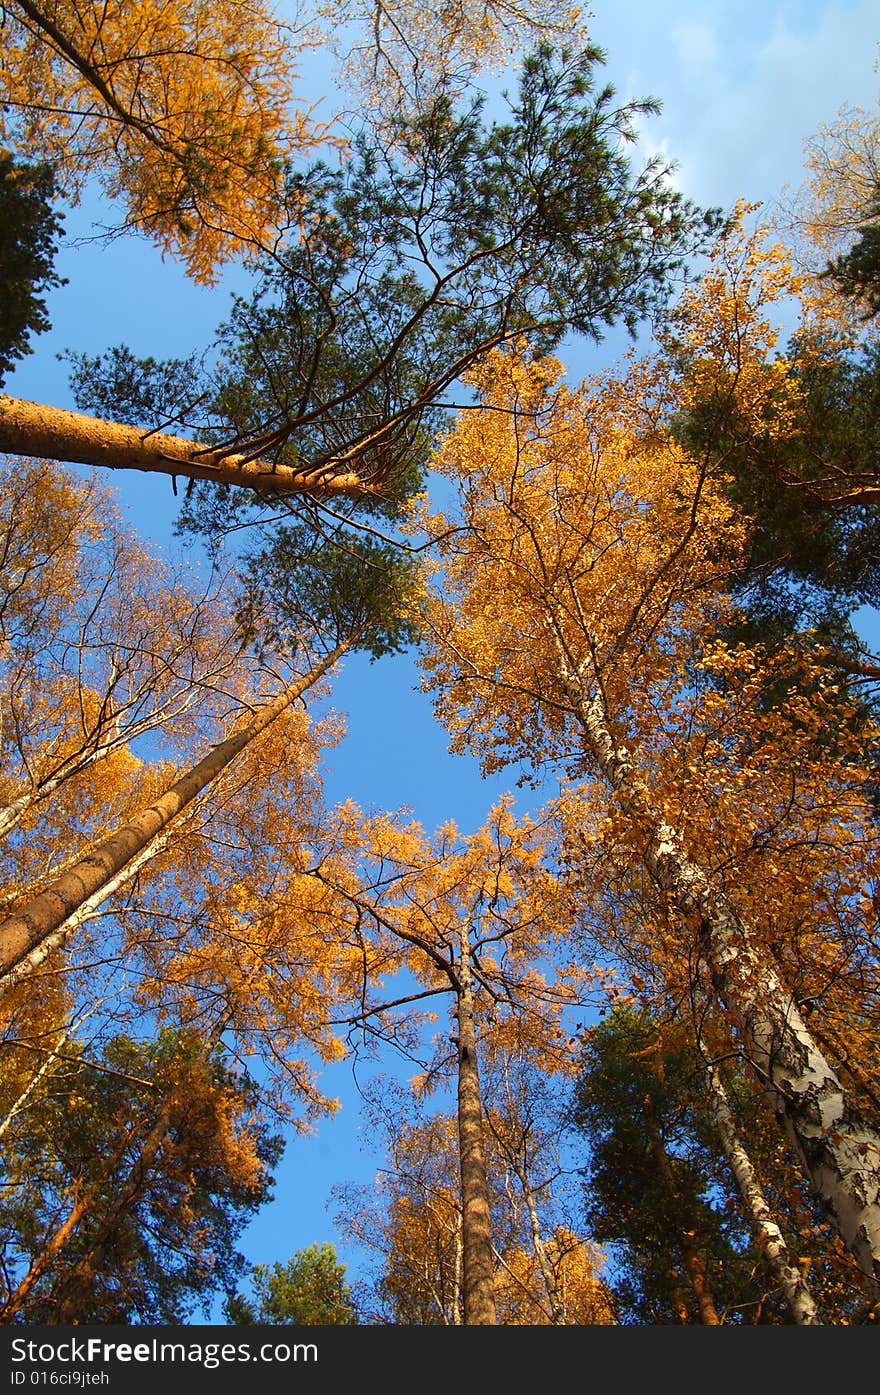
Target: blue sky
[742, 84]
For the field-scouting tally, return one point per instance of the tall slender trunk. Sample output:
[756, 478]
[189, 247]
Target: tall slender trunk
[77, 1285]
[554, 1300]
[53, 433]
[47, 911]
[839, 1152]
[47, 946]
[478, 1285]
[14, 1303]
[38, 1075]
[458, 1281]
[769, 1237]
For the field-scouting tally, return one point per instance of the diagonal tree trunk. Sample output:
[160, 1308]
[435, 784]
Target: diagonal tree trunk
[50, 943]
[14, 1303]
[76, 1285]
[46, 912]
[54, 433]
[839, 1152]
[769, 1237]
[693, 1260]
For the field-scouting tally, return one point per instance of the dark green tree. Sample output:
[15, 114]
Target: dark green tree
[655, 1191]
[811, 494]
[447, 237]
[660, 1191]
[309, 1290]
[29, 229]
[857, 272]
[128, 1183]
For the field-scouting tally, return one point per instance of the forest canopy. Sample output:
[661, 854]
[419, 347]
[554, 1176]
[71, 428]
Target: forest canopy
[614, 1035]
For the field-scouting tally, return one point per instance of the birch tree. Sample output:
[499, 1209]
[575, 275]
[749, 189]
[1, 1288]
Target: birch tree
[102, 644]
[569, 615]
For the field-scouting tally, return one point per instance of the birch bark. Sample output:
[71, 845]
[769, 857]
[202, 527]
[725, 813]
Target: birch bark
[767, 1233]
[840, 1153]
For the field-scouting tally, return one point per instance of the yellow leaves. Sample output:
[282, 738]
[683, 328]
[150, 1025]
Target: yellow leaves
[579, 1295]
[588, 530]
[182, 109]
[822, 218]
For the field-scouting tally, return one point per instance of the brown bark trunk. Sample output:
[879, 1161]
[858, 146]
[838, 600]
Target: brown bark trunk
[840, 1153]
[76, 1287]
[46, 912]
[16, 1299]
[478, 1284]
[85, 1199]
[693, 1260]
[48, 946]
[53, 433]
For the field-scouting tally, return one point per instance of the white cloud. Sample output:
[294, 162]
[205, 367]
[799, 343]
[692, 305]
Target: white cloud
[741, 90]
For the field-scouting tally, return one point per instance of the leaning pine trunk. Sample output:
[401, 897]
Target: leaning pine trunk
[693, 1260]
[46, 912]
[81, 1206]
[89, 908]
[767, 1233]
[478, 1284]
[53, 433]
[839, 1152]
[77, 1284]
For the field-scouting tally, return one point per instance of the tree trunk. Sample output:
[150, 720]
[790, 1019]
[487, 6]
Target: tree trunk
[693, 1260]
[839, 1152]
[76, 1286]
[478, 1285]
[47, 946]
[555, 1303]
[43, 1070]
[82, 1204]
[767, 1233]
[53, 433]
[46, 912]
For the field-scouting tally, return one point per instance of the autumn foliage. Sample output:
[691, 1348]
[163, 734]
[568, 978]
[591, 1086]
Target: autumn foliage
[639, 1015]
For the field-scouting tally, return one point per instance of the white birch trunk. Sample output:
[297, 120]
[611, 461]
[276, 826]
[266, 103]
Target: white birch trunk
[839, 1152]
[767, 1233]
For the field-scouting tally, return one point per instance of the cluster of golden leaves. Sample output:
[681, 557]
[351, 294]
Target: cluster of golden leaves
[822, 218]
[184, 109]
[116, 671]
[491, 894]
[596, 545]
